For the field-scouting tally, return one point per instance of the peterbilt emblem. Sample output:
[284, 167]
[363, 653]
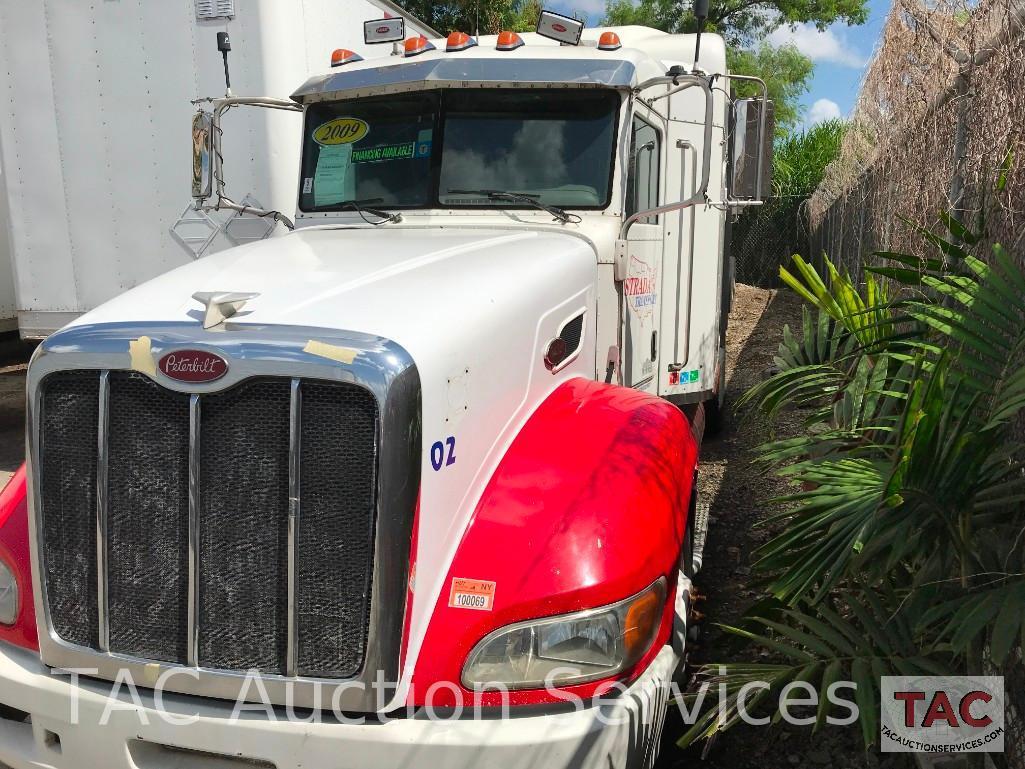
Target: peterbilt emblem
[193, 366]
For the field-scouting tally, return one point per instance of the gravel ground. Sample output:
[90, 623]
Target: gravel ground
[12, 419]
[737, 493]
[14, 356]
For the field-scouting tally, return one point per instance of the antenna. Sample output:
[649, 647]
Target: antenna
[224, 45]
[701, 14]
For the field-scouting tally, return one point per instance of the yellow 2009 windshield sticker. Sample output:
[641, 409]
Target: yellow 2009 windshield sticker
[341, 130]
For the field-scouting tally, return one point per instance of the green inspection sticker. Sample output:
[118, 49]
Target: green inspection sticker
[689, 376]
[385, 152]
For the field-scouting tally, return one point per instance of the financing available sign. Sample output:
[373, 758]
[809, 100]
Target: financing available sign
[942, 714]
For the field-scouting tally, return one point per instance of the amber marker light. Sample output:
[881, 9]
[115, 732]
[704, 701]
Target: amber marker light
[509, 41]
[459, 41]
[344, 56]
[609, 41]
[414, 46]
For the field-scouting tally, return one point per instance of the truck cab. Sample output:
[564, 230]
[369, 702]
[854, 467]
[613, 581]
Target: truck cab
[430, 455]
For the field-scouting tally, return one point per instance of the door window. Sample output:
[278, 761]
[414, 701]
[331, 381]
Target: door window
[643, 178]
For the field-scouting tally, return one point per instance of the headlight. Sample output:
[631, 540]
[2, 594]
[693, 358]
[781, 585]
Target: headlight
[569, 649]
[8, 596]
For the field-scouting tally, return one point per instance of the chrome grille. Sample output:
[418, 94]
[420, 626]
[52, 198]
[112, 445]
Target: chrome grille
[336, 543]
[70, 406]
[243, 530]
[278, 577]
[147, 518]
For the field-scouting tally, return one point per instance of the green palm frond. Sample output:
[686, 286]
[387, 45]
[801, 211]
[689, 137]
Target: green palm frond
[812, 367]
[859, 637]
[868, 318]
[836, 512]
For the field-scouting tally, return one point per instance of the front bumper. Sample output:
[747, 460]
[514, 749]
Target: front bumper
[620, 732]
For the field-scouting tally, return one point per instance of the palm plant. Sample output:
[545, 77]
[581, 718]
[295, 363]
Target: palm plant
[902, 549]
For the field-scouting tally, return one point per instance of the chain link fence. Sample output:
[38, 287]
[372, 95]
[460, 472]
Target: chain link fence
[766, 236]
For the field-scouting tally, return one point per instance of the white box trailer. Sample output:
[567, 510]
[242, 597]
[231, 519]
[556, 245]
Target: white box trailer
[8, 315]
[95, 152]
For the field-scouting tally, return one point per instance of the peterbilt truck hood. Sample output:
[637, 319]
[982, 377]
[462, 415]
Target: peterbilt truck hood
[384, 281]
[474, 308]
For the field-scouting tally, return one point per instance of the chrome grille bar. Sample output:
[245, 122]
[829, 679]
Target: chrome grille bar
[101, 512]
[294, 425]
[192, 642]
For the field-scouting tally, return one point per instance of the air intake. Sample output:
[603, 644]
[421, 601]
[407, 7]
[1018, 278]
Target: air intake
[215, 9]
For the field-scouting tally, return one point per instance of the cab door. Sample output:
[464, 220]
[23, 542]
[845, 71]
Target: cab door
[639, 289]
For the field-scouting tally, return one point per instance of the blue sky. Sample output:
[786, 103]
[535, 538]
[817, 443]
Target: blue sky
[840, 54]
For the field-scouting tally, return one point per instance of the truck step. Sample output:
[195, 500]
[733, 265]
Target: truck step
[702, 511]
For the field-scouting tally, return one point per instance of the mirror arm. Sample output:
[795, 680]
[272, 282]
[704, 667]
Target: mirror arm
[222, 105]
[700, 194]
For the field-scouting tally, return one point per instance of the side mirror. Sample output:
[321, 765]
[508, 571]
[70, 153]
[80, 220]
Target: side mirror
[751, 149]
[202, 149]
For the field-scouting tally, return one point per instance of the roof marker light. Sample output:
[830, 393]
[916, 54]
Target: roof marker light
[417, 45]
[609, 41]
[344, 56]
[459, 41]
[509, 41]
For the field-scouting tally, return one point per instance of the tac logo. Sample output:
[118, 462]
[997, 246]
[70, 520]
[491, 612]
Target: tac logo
[942, 714]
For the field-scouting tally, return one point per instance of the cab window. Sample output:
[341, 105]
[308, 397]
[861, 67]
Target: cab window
[642, 181]
[461, 148]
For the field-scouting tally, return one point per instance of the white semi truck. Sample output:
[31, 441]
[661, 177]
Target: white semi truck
[429, 456]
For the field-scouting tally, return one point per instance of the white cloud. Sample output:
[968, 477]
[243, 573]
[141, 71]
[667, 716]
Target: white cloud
[823, 110]
[589, 7]
[819, 46]
[593, 10]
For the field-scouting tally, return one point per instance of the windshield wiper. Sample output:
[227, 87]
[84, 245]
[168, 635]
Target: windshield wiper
[521, 197]
[361, 208]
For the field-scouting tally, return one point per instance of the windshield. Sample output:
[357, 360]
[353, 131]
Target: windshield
[450, 148]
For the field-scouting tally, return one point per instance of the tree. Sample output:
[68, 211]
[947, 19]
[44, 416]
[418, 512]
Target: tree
[486, 16]
[785, 71]
[742, 23]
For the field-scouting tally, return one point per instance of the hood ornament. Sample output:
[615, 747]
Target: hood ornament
[221, 305]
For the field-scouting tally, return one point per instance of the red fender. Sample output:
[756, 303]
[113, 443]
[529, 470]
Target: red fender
[14, 551]
[588, 507]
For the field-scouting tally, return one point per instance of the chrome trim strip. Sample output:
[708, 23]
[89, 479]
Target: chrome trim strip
[192, 641]
[294, 425]
[102, 443]
[381, 366]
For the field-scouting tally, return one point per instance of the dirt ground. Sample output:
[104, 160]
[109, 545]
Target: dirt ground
[737, 493]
